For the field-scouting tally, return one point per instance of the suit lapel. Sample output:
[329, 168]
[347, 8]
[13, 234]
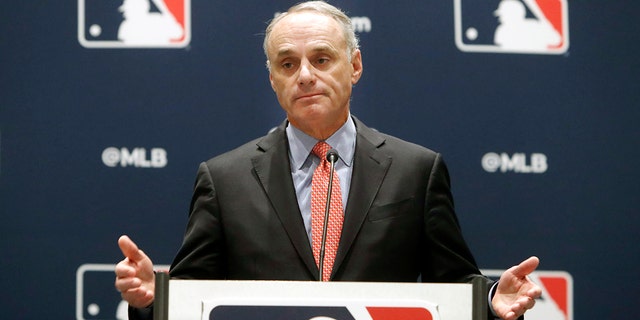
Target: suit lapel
[273, 170]
[369, 169]
[274, 173]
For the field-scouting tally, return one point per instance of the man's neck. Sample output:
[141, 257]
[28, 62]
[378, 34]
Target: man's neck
[321, 131]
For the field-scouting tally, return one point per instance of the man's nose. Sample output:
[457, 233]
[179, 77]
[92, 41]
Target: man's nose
[306, 75]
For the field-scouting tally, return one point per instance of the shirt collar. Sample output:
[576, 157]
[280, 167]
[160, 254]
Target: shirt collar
[343, 140]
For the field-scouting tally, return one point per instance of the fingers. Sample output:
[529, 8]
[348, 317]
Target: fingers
[125, 269]
[138, 297]
[535, 292]
[516, 293]
[523, 304]
[137, 291]
[134, 275]
[127, 277]
[520, 307]
[526, 267]
[126, 283]
[130, 249]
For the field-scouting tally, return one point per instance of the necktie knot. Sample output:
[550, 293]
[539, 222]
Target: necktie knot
[320, 150]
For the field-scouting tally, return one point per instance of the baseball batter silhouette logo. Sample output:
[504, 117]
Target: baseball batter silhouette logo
[512, 26]
[134, 23]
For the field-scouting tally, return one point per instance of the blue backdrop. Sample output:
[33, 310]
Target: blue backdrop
[100, 137]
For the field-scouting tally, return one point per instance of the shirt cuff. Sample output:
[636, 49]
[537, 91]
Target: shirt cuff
[492, 292]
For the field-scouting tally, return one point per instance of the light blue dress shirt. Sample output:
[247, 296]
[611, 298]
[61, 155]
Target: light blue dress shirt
[303, 163]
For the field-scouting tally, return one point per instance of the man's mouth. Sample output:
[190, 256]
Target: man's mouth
[309, 96]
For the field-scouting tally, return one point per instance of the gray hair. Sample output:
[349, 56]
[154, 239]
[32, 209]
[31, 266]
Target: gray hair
[323, 8]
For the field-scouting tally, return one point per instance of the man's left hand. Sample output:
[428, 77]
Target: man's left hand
[516, 293]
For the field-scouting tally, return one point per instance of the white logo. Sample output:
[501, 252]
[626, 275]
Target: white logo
[134, 23]
[492, 162]
[361, 24]
[113, 157]
[514, 26]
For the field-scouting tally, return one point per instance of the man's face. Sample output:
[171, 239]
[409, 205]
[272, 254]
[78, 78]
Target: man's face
[310, 72]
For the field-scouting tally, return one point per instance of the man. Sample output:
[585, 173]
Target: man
[252, 214]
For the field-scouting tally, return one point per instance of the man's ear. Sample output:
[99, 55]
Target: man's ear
[271, 81]
[356, 64]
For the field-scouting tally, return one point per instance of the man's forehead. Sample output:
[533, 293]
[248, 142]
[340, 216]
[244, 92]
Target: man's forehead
[317, 31]
[305, 16]
[288, 49]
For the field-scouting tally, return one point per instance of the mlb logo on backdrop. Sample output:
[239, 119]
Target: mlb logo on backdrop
[134, 23]
[512, 26]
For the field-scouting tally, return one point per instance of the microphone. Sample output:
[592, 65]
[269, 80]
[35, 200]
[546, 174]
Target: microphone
[332, 157]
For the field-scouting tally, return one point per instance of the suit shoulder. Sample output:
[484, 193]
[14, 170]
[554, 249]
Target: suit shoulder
[235, 156]
[401, 146]
[241, 156]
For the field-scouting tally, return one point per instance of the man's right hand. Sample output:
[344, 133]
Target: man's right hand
[135, 279]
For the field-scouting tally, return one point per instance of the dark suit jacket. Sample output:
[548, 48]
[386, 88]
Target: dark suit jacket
[399, 225]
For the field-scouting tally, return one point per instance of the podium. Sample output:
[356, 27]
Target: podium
[307, 300]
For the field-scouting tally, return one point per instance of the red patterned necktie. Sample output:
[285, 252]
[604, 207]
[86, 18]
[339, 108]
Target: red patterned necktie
[319, 187]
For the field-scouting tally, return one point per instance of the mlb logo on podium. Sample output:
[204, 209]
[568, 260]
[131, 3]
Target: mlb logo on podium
[134, 23]
[334, 312]
[512, 26]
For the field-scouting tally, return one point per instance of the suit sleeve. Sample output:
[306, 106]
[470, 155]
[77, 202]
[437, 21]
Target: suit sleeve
[448, 256]
[202, 255]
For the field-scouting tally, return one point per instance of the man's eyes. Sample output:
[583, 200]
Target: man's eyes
[291, 65]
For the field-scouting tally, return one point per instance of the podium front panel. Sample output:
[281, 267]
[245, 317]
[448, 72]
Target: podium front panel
[267, 300]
